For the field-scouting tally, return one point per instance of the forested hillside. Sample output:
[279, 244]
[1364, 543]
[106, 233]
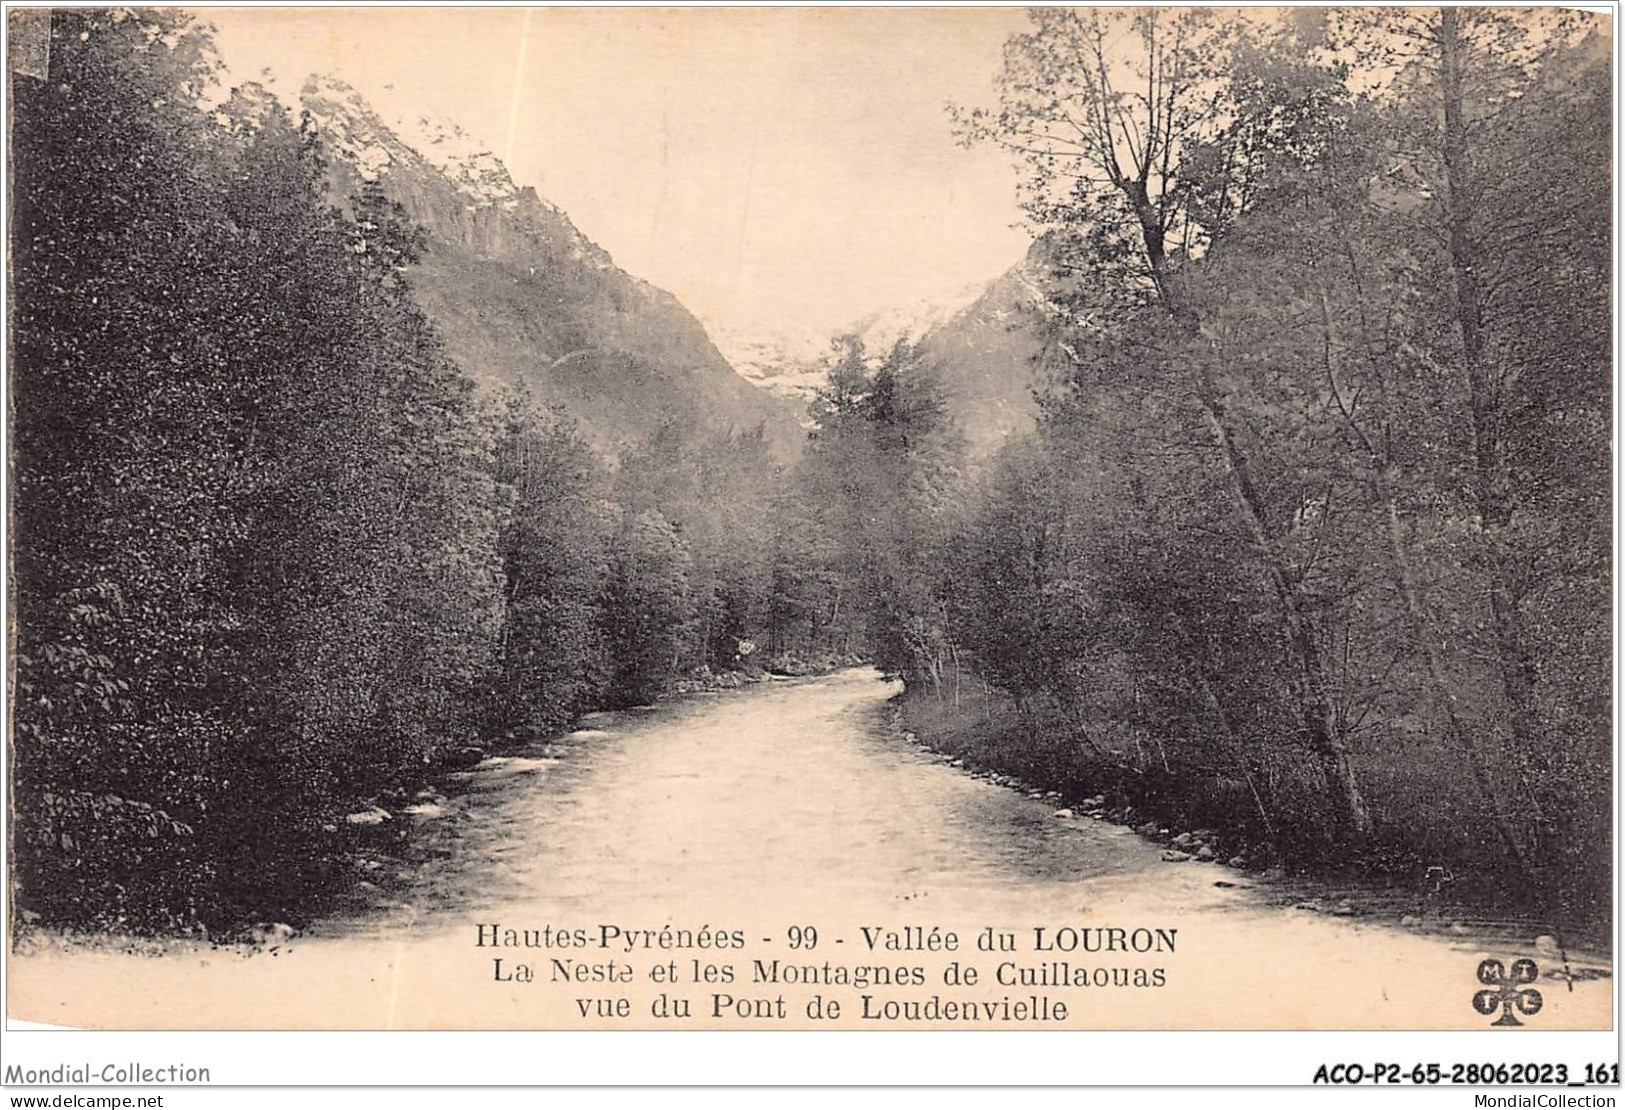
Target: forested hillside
[1311, 546]
[274, 557]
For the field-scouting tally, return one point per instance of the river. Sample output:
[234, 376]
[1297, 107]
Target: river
[762, 813]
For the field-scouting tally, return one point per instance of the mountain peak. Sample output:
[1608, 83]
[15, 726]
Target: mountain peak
[350, 126]
[467, 162]
[354, 127]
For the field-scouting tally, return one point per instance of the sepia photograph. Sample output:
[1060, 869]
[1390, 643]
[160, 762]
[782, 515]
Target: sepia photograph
[811, 518]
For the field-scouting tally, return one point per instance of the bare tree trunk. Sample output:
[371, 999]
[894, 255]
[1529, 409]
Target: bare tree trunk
[1381, 481]
[1315, 710]
[1491, 500]
[1438, 683]
[1221, 717]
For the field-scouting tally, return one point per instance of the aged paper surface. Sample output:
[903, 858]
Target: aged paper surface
[1236, 695]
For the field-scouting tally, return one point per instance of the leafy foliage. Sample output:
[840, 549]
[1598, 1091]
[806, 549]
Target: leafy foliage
[1312, 541]
[274, 561]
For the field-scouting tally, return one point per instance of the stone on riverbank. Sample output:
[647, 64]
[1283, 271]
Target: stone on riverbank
[368, 817]
[272, 936]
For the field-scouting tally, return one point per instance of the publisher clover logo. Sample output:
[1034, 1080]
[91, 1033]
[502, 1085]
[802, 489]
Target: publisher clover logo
[1508, 993]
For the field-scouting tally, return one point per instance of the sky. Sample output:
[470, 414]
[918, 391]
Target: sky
[783, 171]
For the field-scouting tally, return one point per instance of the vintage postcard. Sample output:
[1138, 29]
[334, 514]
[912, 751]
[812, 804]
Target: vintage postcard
[782, 518]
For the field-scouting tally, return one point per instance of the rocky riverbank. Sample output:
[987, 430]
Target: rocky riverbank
[1433, 905]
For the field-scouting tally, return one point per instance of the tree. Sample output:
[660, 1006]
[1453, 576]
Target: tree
[123, 457]
[1128, 150]
[554, 544]
[648, 608]
[879, 473]
[1497, 139]
[255, 522]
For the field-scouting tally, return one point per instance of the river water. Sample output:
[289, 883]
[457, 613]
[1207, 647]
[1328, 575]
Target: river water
[760, 814]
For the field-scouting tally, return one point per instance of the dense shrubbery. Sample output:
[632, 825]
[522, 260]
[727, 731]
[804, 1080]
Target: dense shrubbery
[1313, 539]
[273, 558]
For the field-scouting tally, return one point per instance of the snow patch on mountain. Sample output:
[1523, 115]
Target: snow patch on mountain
[353, 128]
[461, 157]
[883, 330]
[794, 364]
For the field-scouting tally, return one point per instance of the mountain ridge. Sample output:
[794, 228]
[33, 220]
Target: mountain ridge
[522, 298]
[986, 355]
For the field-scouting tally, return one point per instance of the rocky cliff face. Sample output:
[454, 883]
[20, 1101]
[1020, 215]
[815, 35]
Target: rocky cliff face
[523, 298]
